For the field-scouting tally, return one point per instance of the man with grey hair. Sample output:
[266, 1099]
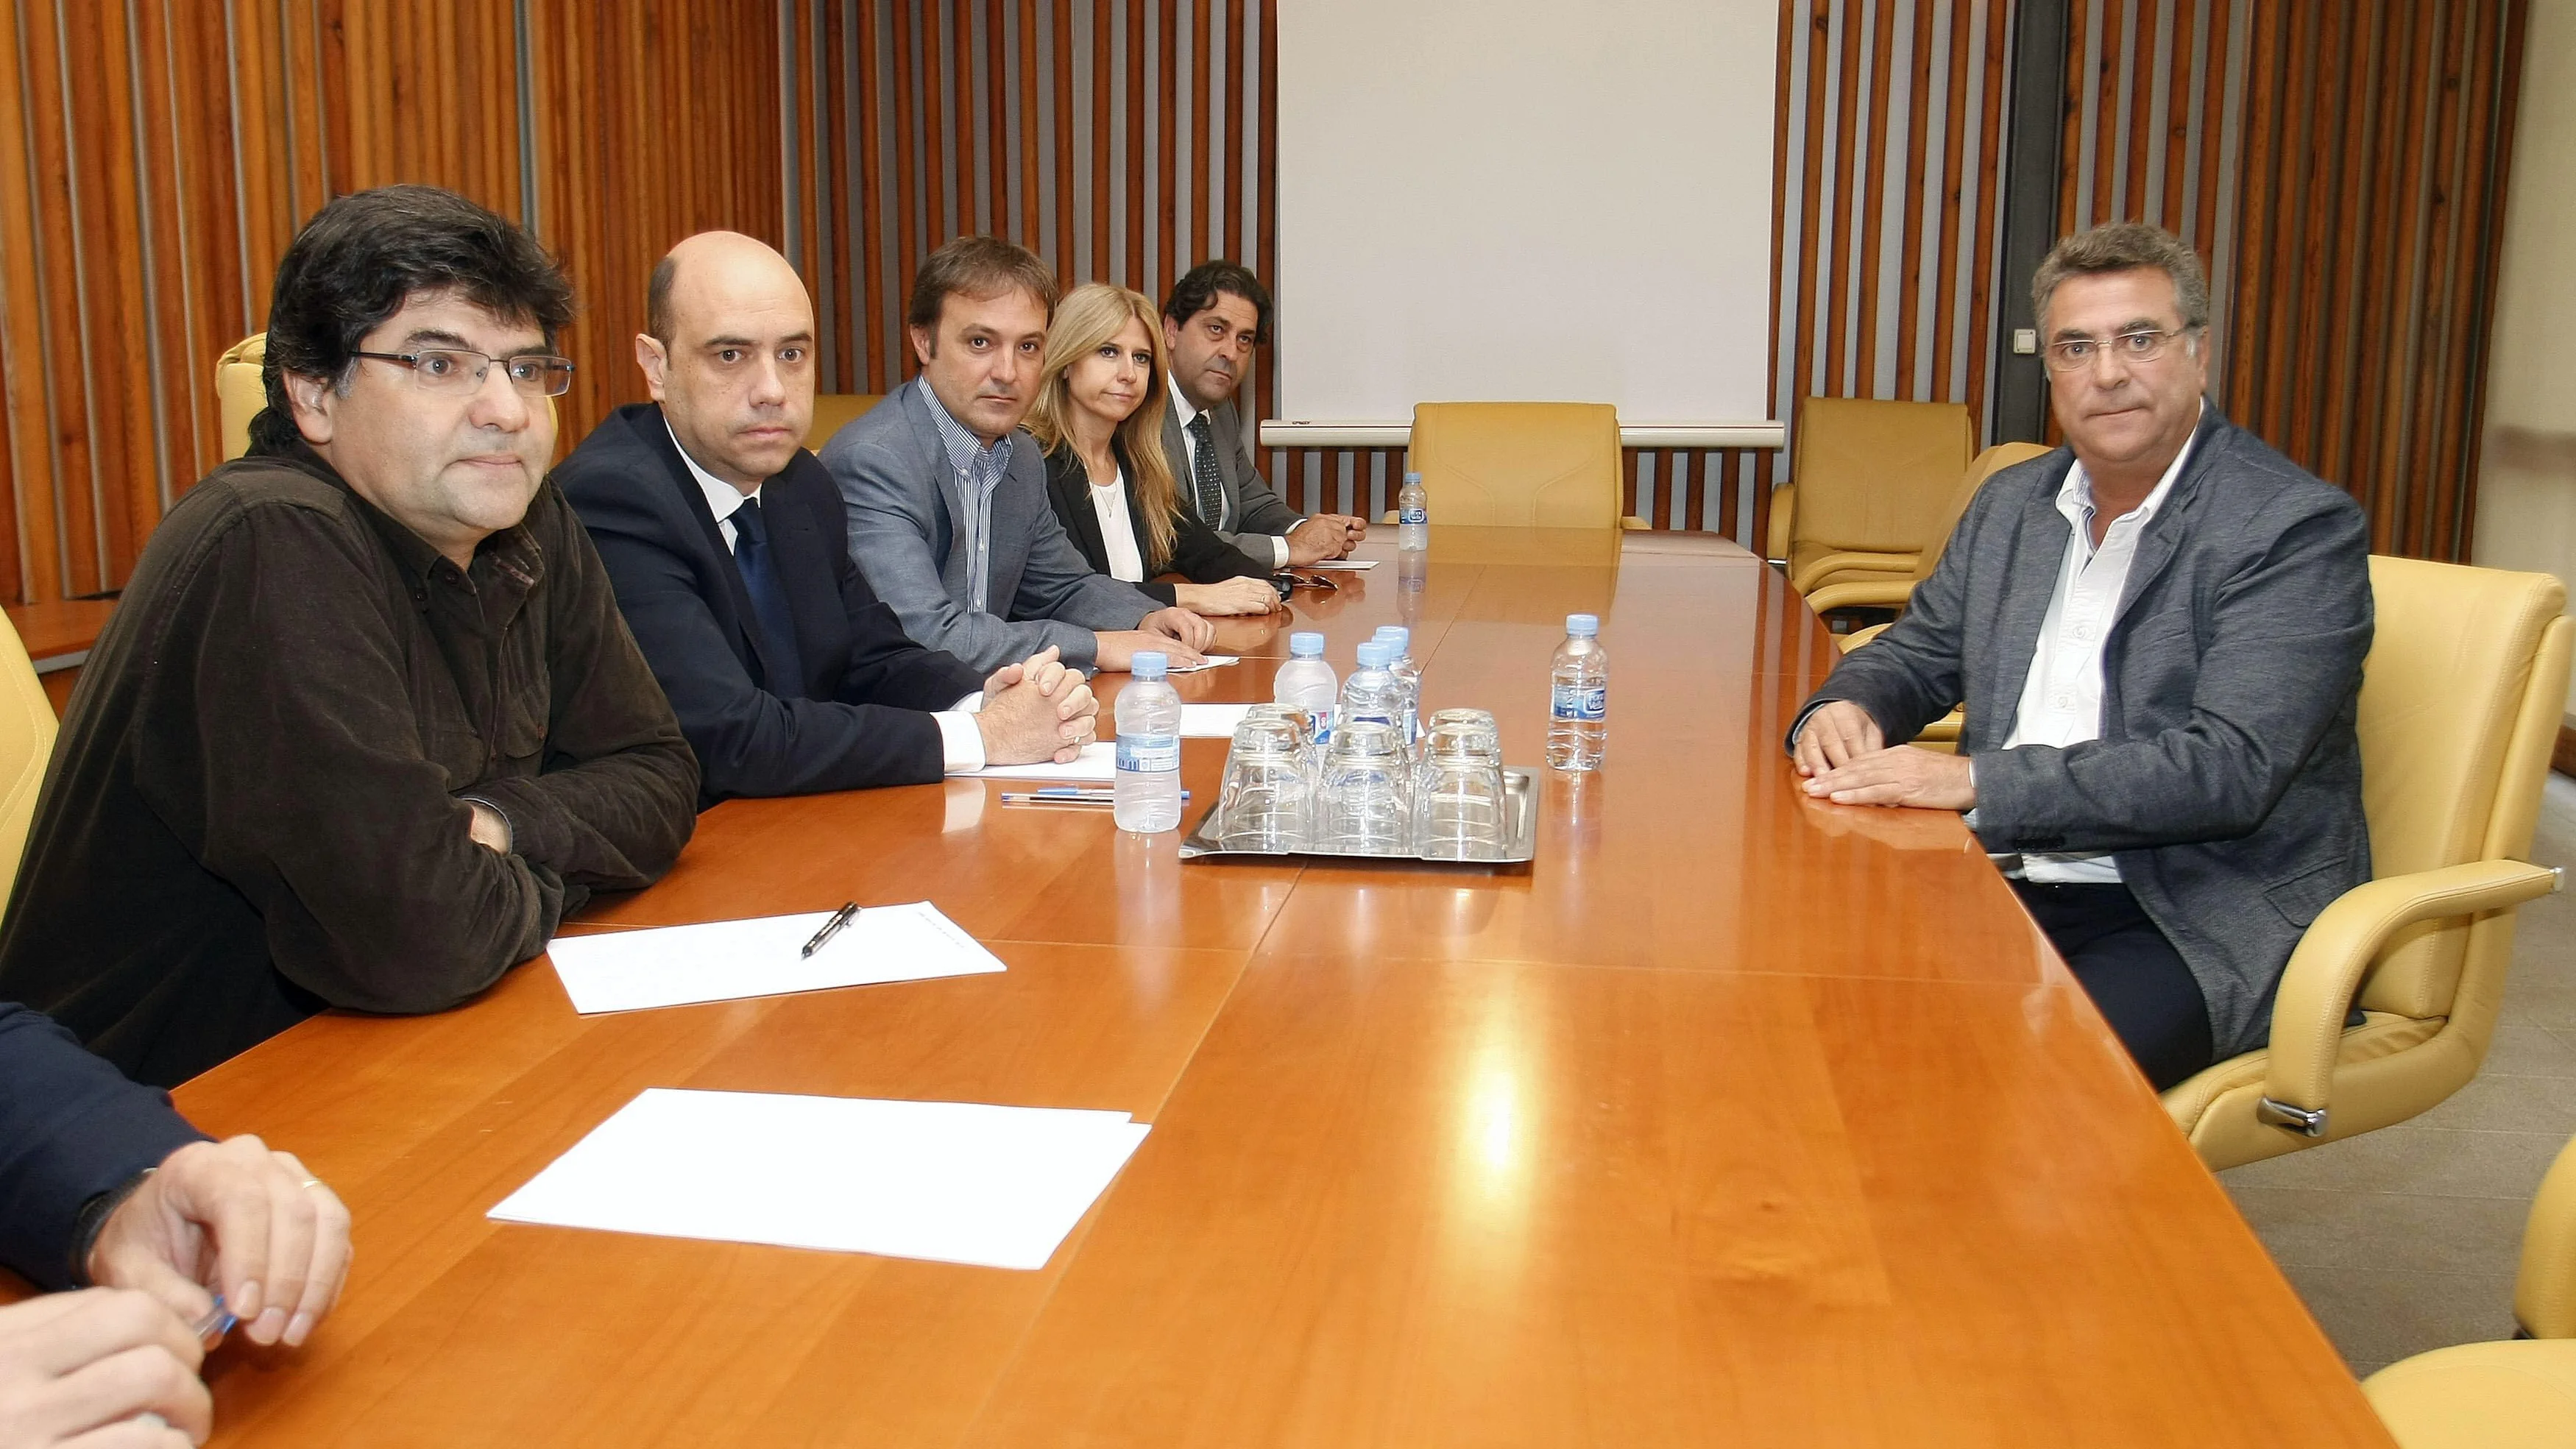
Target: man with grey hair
[2157, 632]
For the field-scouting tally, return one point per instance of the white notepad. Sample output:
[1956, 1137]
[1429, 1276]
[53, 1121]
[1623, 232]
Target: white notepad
[1340, 563]
[1098, 764]
[954, 1182]
[729, 960]
[1206, 661]
[1211, 721]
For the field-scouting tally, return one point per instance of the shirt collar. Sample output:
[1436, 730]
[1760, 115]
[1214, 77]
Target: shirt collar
[2075, 495]
[964, 447]
[722, 497]
[1183, 409]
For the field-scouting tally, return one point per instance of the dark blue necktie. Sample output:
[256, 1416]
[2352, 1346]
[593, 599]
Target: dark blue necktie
[768, 599]
[1203, 474]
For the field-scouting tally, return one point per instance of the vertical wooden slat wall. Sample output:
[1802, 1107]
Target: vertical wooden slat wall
[2341, 169]
[1148, 127]
[161, 153]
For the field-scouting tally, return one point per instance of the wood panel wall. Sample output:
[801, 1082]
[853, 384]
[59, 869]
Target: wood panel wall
[163, 152]
[2341, 167]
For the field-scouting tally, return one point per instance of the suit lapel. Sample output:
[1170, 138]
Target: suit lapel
[1074, 487]
[2164, 532]
[952, 494]
[2040, 540]
[715, 560]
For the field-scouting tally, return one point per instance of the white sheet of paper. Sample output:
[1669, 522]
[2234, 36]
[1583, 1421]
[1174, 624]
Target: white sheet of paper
[1207, 661]
[954, 1182]
[1098, 763]
[729, 960]
[1341, 563]
[1211, 721]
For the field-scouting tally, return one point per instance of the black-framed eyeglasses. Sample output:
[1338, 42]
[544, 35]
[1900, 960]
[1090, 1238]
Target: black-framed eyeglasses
[2141, 344]
[459, 370]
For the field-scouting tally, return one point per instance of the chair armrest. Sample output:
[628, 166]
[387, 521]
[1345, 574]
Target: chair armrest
[1633, 524]
[1784, 502]
[1856, 638]
[1894, 568]
[2544, 1292]
[2325, 970]
[1390, 516]
[1862, 594]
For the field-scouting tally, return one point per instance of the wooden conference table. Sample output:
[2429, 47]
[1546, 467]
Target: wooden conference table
[1735, 1119]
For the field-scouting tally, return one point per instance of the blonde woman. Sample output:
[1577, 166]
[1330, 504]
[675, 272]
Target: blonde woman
[1099, 415]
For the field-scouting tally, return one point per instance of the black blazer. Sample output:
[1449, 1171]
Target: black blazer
[1198, 553]
[859, 717]
[73, 1129]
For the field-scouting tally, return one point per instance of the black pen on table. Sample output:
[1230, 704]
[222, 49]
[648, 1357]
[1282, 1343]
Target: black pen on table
[839, 919]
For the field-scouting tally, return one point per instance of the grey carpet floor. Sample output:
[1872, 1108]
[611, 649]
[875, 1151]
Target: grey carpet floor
[2405, 1239]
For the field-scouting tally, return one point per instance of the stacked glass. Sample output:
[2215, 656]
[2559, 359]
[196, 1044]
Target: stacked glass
[1362, 797]
[1266, 800]
[1460, 811]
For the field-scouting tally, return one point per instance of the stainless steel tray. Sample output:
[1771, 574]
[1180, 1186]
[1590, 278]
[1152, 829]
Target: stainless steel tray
[1520, 798]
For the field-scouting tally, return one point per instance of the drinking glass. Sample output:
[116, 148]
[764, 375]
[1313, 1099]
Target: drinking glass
[1460, 809]
[1264, 801]
[1361, 804]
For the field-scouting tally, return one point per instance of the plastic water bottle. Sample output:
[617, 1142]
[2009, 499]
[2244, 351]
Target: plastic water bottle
[1307, 683]
[1408, 678]
[1371, 692]
[1412, 516]
[1578, 717]
[1147, 797]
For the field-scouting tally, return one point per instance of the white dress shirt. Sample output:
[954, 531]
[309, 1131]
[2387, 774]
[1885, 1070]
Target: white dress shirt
[1117, 534]
[2061, 701]
[961, 744]
[1184, 410]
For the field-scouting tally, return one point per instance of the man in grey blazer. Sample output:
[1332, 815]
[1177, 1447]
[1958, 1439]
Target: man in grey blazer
[1216, 313]
[2158, 634]
[947, 499]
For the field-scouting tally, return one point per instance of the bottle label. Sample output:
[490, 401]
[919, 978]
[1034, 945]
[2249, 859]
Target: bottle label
[1411, 517]
[1319, 724]
[1149, 754]
[1582, 701]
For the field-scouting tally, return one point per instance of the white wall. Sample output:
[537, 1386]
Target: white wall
[1525, 200]
[2526, 514]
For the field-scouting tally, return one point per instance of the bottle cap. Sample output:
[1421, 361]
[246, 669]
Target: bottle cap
[1397, 635]
[1582, 626]
[1412, 478]
[1149, 663]
[1303, 645]
[1374, 655]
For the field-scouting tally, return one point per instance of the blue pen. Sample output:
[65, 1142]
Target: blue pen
[214, 1323]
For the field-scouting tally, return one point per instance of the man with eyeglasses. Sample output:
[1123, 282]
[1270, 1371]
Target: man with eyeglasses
[366, 723]
[2157, 632]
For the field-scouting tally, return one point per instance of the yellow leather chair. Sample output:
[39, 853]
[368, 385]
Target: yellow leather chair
[27, 728]
[2518, 1395]
[1943, 733]
[1868, 480]
[832, 409]
[1525, 465]
[2460, 705]
[238, 394]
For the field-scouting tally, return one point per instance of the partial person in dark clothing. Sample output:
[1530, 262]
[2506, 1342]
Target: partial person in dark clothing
[367, 723]
[731, 559]
[1099, 416]
[103, 1186]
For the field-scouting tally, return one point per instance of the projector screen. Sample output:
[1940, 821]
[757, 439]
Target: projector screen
[1525, 200]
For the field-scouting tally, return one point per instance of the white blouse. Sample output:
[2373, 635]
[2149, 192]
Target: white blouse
[1117, 533]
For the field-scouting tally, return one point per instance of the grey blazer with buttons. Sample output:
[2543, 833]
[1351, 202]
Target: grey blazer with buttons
[2227, 778]
[903, 503]
[1255, 513]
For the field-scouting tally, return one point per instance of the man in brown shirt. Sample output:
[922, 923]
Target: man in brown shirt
[366, 723]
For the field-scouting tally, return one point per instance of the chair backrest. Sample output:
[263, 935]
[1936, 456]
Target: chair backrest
[1528, 465]
[27, 728]
[832, 409]
[238, 393]
[1984, 466]
[1874, 476]
[2461, 700]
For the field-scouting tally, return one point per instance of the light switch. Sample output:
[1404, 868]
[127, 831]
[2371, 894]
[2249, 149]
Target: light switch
[2025, 340]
